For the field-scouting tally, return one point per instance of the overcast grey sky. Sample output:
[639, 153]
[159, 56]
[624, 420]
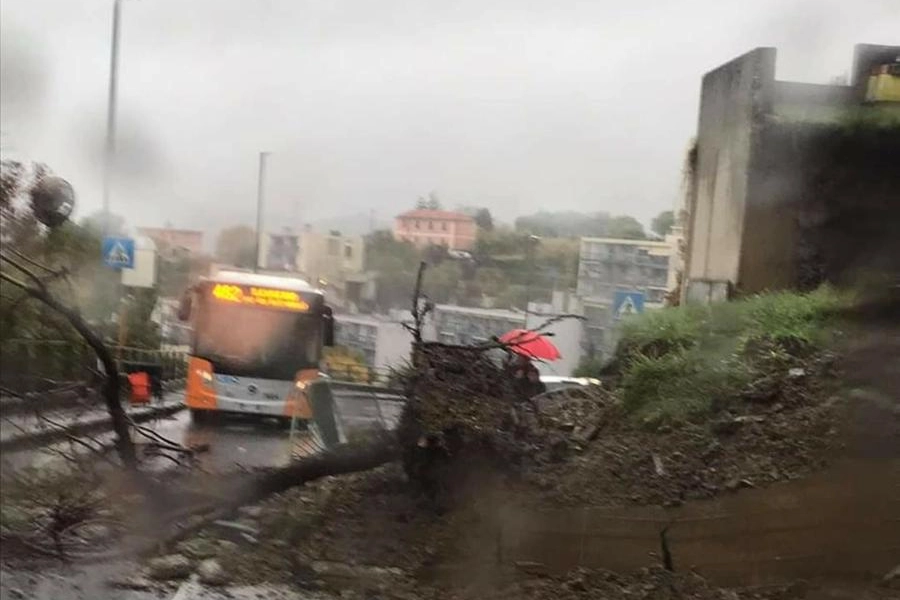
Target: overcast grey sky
[511, 104]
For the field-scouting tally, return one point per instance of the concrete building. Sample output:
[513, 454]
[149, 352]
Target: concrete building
[328, 259]
[173, 241]
[453, 324]
[777, 177]
[610, 265]
[174, 333]
[281, 251]
[568, 335]
[382, 339]
[426, 227]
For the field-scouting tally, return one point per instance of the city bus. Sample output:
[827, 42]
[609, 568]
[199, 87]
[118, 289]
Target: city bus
[256, 343]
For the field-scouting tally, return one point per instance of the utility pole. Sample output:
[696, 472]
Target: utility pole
[260, 195]
[533, 241]
[109, 158]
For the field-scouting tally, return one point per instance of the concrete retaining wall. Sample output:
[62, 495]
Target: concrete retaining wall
[843, 523]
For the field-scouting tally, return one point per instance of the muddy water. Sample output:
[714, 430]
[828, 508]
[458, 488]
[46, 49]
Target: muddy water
[844, 522]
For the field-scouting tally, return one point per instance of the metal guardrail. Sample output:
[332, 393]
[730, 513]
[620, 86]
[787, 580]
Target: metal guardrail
[169, 364]
[343, 410]
[359, 373]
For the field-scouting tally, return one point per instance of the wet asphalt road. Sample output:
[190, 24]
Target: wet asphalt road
[230, 443]
[234, 442]
[91, 582]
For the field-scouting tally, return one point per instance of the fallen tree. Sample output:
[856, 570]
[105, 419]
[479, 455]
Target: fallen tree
[339, 460]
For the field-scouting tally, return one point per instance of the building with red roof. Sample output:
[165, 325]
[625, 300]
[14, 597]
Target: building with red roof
[428, 227]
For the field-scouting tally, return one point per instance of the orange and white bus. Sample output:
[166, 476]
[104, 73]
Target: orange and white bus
[256, 343]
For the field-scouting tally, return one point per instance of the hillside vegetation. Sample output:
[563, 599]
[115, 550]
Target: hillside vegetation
[685, 362]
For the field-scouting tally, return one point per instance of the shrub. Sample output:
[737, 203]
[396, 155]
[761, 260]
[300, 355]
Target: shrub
[659, 332]
[790, 321]
[681, 385]
[682, 362]
[589, 366]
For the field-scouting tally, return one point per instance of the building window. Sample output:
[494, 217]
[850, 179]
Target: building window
[333, 247]
[418, 224]
[443, 225]
[430, 225]
[348, 251]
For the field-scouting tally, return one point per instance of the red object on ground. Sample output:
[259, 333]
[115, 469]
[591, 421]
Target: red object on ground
[140, 387]
[530, 344]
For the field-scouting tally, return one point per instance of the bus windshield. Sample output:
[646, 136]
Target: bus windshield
[257, 342]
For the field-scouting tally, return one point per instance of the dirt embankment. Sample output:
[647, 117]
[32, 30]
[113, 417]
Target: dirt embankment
[376, 535]
[791, 430]
[367, 536]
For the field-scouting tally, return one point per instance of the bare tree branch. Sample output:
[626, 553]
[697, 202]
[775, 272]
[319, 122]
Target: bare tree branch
[33, 262]
[28, 272]
[124, 444]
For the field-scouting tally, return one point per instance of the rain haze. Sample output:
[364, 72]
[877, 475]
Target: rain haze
[515, 106]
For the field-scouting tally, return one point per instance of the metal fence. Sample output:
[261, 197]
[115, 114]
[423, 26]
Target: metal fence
[34, 365]
[37, 365]
[344, 411]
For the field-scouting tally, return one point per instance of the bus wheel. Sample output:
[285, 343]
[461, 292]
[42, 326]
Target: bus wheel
[302, 425]
[199, 416]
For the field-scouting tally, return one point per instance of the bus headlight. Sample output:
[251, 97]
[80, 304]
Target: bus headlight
[205, 375]
[300, 385]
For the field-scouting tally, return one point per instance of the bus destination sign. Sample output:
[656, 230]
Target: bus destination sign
[260, 296]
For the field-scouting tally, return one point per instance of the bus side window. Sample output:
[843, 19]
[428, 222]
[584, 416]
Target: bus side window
[328, 327]
[184, 307]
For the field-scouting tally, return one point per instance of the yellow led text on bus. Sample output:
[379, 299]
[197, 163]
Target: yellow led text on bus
[264, 297]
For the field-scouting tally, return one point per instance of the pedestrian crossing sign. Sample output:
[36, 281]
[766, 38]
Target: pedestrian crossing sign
[118, 253]
[627, 303]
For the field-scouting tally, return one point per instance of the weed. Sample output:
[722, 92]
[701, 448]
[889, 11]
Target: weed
[685, 362]
[660, 332]
[681, 385]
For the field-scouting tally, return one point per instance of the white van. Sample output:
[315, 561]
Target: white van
[554, 382]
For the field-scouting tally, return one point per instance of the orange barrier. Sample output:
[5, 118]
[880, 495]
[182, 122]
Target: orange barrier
[140, 387]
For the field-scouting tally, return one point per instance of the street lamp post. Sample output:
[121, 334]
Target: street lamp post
[110, 153]
[533, 241]
[260, 196]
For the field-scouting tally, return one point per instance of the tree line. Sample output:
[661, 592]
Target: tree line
[508, 266]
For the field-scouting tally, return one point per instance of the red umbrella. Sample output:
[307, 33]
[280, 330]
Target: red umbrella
[530, 344]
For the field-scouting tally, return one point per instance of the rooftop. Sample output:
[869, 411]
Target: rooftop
[149, 230]
[495, 313]
[627, 242]
[435, 215]
[365, 319]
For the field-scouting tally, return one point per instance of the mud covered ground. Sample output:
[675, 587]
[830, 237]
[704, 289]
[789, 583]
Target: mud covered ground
[794, 430]
[367, 536]
[376, 535]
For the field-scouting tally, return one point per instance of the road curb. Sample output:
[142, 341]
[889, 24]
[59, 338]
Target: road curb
[88, 427]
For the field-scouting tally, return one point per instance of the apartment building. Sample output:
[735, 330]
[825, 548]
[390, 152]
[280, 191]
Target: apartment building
[610, 265]
[427, 227]
[330, 259]
[469, 325]
[454, 324]
[382, 340]
[171, 241]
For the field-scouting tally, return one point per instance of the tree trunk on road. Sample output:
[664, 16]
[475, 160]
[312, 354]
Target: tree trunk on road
[342, 459]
